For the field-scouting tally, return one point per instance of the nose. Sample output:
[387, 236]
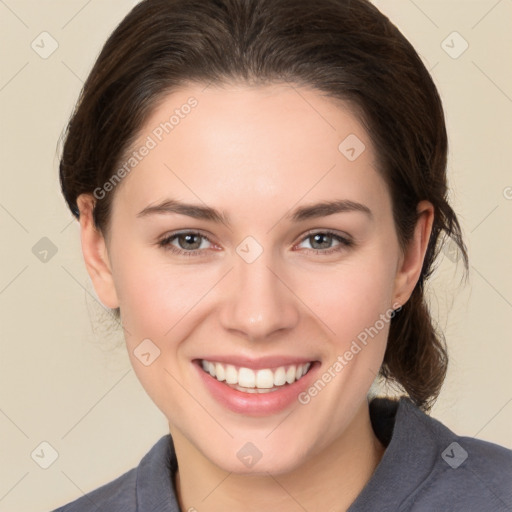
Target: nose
[259, 301]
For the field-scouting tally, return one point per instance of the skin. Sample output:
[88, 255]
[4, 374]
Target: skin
[256, 153]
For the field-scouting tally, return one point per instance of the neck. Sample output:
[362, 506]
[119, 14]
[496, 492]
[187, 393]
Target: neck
[331, 480]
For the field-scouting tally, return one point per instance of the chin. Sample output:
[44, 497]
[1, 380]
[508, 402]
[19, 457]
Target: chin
[258, 458]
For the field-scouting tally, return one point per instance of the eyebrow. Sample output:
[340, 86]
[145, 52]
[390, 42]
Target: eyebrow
[321, 209]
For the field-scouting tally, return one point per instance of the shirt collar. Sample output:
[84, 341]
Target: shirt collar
[154, 487]
[409, 457]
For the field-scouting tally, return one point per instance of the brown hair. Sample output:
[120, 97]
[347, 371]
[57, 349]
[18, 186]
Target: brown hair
[346, 49]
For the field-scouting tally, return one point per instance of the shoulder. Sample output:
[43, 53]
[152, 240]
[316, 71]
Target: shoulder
[117, 495]
[427, 467]
[464, 474]
[145, 487]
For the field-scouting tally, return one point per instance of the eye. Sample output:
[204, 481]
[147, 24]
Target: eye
[189, 243]
[321, 242]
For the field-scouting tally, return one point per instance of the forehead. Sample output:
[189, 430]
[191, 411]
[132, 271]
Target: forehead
[268, 143]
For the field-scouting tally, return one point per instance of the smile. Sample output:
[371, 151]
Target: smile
[264, 380]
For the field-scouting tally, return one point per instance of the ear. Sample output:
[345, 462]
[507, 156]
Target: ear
[94, 250]
[411, 262]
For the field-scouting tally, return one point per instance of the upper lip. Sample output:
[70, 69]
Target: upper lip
[258, 363]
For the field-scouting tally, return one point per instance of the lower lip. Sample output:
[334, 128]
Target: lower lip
[256, 404]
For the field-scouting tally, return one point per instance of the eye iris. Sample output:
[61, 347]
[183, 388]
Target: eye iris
[187, 238]
[325, 244]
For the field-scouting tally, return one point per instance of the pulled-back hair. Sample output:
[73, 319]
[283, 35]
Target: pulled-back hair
[346, 49]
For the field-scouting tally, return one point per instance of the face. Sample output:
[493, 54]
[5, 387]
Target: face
[259, 313]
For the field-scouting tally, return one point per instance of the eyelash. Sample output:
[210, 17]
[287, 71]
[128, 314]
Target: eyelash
[165, 243]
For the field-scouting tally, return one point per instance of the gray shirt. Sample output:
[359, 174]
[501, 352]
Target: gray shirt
[426, 467]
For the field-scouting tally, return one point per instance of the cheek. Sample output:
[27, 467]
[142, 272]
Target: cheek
[351, 298]
[154, 295]
[159, 303]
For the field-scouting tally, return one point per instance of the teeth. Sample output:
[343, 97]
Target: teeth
[264, 379]
[290, 374]
[257, 381]
[280, 376]
[220, 374]
[231, 374]
[246, 378]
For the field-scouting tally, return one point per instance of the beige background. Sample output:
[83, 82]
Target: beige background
[65, 377]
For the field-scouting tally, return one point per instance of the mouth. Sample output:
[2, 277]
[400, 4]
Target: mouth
[247, 380]
[256, 388]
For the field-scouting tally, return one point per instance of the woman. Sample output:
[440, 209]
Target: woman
[261, 190]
